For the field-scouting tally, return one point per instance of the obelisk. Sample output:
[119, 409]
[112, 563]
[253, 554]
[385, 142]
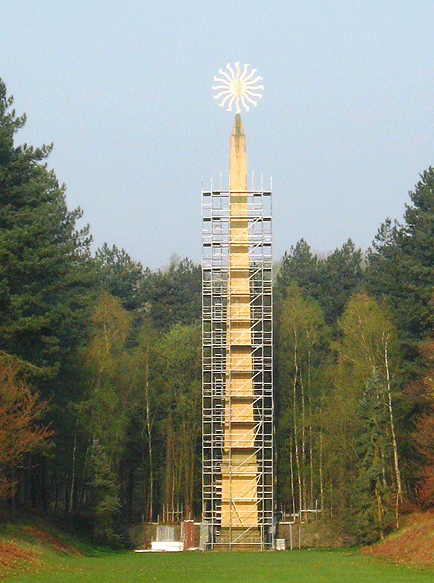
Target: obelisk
[239, 465]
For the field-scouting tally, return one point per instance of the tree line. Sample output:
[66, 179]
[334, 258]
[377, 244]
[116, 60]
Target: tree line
[100, 367]
[354, 360]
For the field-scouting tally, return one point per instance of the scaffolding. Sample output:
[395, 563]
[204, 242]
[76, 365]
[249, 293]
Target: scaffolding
[237, 398]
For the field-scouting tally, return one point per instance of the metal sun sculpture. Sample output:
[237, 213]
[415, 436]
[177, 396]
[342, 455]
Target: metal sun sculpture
[236, 88]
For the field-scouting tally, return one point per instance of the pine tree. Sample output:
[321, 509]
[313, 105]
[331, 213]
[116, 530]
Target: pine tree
[369, 505]
[401, 265]
[43, 257]
[104, 495]
[298, 266]
[120, 275]
[340, 275]
[330, 281]
[172, 295]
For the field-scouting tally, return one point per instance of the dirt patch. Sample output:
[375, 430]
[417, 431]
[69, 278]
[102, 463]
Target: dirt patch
[413, 544]
[43, 536]
[11, 555]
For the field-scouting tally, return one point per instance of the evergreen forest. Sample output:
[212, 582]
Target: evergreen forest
[100, 368]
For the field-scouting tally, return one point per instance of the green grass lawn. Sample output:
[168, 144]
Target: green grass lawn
[269, 567]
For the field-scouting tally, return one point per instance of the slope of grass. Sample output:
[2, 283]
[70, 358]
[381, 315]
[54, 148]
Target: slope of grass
[30, 545]
[413, 544]
[36, 552]
[301, 566]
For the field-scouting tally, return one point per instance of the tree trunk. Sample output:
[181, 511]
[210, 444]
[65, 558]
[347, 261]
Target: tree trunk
[297, 457]
[303, 444]
[321, 485]
[291, 468]
[150, 504]
[392, 431]
[169, 485]
[72, 492]
[309, 397]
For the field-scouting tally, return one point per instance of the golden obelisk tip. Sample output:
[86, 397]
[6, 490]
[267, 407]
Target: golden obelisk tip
[238, 129]
[237, 157]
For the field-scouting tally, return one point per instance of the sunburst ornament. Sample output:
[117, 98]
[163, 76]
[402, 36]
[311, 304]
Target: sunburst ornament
[236, 88]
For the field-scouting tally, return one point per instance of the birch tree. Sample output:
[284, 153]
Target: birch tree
[368, 348]
[111, 376]
[301, 349]
[180, 349]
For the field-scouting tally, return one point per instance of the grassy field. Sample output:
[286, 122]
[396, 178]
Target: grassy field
[306, 566]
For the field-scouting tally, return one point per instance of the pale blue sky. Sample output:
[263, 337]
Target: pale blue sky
[123, 89]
